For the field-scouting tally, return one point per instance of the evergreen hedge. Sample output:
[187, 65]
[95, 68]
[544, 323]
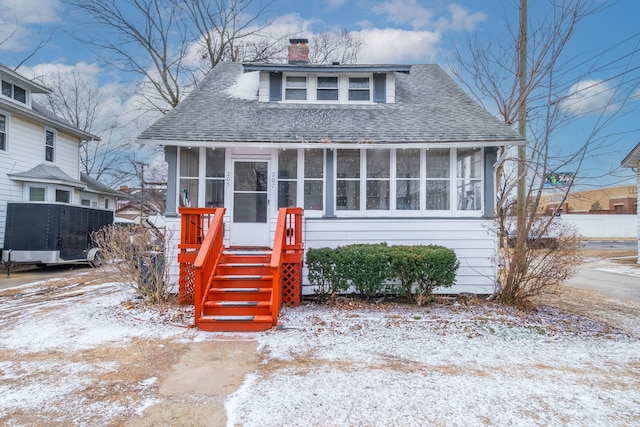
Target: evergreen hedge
[371, 270]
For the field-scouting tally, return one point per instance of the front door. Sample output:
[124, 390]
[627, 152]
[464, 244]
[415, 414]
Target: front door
[250, 210]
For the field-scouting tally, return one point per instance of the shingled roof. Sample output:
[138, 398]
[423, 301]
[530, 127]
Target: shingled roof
[429, 108]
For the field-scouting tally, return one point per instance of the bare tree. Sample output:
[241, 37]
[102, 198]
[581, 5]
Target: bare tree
[548, 88]
[172, 44]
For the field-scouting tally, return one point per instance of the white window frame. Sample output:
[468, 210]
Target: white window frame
[28, 188]
[318, 88]
[301, 180]
[369, 88]
[12, 95]
[453, 210]
[54, 134]
[5, 132]
[307, 90]
[201, 177]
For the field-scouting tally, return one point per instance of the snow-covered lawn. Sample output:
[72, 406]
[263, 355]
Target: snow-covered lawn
[440, 365]
[80, 354]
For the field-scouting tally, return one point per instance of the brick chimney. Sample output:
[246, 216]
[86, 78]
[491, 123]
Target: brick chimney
[298, 51]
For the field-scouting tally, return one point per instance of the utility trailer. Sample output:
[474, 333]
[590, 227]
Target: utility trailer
[52, 233]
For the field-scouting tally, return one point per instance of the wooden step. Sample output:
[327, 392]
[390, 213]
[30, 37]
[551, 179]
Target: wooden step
[245, 258]
[235, 323]
[235, 268]
[239, 294]
[237, 308]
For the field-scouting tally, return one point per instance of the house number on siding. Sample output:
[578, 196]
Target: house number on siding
[273, 180]
[228, 179]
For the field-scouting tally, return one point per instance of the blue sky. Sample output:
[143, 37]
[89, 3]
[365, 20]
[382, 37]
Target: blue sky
[403, 31]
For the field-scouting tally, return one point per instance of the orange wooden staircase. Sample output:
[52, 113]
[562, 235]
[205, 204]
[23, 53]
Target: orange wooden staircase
[238, 290]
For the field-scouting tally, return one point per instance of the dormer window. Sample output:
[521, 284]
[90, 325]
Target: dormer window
[295, 88]
[359, 89]
[327, 88]
[16, 92]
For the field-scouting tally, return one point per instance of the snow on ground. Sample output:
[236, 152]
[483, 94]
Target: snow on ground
[353, 364]
[449, 366]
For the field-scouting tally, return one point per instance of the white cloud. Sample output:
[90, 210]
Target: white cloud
[31, 11]
[405, 12]
[412, 13]
[589, 97]
[18, 16]
[392, 45]
[461, 19]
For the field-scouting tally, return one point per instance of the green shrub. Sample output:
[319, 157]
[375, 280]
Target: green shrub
[326, 272]
[369, 268]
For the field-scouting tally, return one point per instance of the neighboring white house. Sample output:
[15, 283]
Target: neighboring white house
[373, 153]
[40, 153]
[633, 161]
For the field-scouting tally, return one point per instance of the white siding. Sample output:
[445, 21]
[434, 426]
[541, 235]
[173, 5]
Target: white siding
[391, 88]
[471, 239]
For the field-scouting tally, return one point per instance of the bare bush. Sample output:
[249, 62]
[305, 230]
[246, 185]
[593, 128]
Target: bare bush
[550, 257]
[137, 254]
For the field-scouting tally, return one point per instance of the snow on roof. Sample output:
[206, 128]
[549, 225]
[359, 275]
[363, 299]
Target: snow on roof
[246, 86]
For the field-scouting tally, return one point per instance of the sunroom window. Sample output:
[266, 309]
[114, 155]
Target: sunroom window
[214, 178]
[378, 179]
[295, 88]
[469, 179]
[348, 180]
[438, 180]
[287, 178]
[313, 179]
[189, 172]
[408, 179]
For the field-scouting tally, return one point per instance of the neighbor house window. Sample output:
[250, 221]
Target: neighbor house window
[106, 204]
[313, 179]
[3, 132]
[327, 88]
[37, 194]
[214, 178]
[438, 180]
[63, 196]
[287, 178]
[359, 89]
[85, 202]
[50, 143]
[348, 180]
[16, 92]
[408, 179]
[469, 179]
[189, 172]
[378, 179]
[295, 88]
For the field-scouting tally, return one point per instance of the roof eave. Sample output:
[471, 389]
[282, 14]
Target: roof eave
[324, 68]
[306, 144]
[632, 159]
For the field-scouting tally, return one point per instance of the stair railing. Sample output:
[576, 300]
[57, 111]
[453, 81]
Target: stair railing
[207, 261]
[287, 246]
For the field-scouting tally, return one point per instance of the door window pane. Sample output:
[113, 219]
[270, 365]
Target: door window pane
[250, 192]
[250, 176]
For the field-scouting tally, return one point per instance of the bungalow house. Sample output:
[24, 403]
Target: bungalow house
[633, 161]
[40, 153]
[372, 153]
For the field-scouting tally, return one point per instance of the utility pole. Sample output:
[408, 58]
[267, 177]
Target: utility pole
[521, 212]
